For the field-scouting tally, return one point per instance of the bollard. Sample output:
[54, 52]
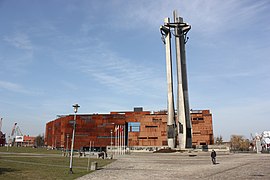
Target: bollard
[93, 166]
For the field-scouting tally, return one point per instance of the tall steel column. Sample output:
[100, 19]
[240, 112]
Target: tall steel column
[185, 90]
[171, 115]
[183, 114]
[181, 118]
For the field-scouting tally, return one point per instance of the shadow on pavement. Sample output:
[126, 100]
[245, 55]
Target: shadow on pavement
[5, 170]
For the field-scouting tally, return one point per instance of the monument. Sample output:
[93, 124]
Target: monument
[178, 123]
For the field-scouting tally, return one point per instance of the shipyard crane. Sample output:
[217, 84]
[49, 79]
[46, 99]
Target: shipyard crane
[18, 131]
[1, 123]
[12, 139]
[16, 134]
[2, 136]
[13, 129]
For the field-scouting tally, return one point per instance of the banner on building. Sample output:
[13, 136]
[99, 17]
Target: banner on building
[19, 139]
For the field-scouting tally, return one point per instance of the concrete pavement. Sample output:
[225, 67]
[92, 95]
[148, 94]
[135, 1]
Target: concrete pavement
[172, 166]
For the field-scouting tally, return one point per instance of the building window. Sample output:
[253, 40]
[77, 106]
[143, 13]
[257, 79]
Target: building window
[151, 126]
[156, 119]
[102, 137]
[86, 118]
[134, 126]
[142, 137]
[198, 118]
[152, 137]
[101, 125]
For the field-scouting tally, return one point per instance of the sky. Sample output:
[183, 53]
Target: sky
[108, 56]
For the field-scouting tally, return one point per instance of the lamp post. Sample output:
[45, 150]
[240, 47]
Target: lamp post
[111, 142]
[67, 145]
[111, 138]
[76, 107]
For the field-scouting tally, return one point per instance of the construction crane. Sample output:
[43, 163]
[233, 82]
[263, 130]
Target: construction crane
[16, 135]
[11, 140]
[13, 129]
[18, 131]
[1, 123]
[2, 136]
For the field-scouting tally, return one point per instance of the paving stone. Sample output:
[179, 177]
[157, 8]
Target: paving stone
[172, 166]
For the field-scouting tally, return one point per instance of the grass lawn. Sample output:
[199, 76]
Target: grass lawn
[29, 150]
[31, 166]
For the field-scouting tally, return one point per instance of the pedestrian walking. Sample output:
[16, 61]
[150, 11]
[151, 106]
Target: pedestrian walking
[213, 156]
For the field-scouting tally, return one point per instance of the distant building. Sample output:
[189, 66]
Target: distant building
[141, 129]
[263, 140]
[28, 141]
[2, 139]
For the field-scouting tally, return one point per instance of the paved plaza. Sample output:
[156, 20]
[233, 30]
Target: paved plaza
[185, 166]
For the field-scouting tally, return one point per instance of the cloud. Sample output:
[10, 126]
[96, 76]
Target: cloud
[11, 86]
[108, 68]
[20, 41]
[118, 72]
[216, 17]
[17, 88]
[17, 53]
[15, 63]
[206, 17]
[219, 76]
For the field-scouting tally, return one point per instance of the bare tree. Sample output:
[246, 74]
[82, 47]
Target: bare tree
[219, 140]
[39, 141]
[239, 143]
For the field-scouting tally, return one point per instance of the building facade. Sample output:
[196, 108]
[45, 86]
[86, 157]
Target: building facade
[202, 127]
[139, 129]
[28, 141]
[2, 139]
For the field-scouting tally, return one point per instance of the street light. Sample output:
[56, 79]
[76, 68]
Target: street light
[111, 138]
[76, 107]
[67, 145]
[111, 142]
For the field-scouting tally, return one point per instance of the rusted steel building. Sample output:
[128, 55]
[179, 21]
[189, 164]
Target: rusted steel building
[202, 127]
[141, 129]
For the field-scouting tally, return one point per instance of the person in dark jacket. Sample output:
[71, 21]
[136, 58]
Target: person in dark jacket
[213, 156]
